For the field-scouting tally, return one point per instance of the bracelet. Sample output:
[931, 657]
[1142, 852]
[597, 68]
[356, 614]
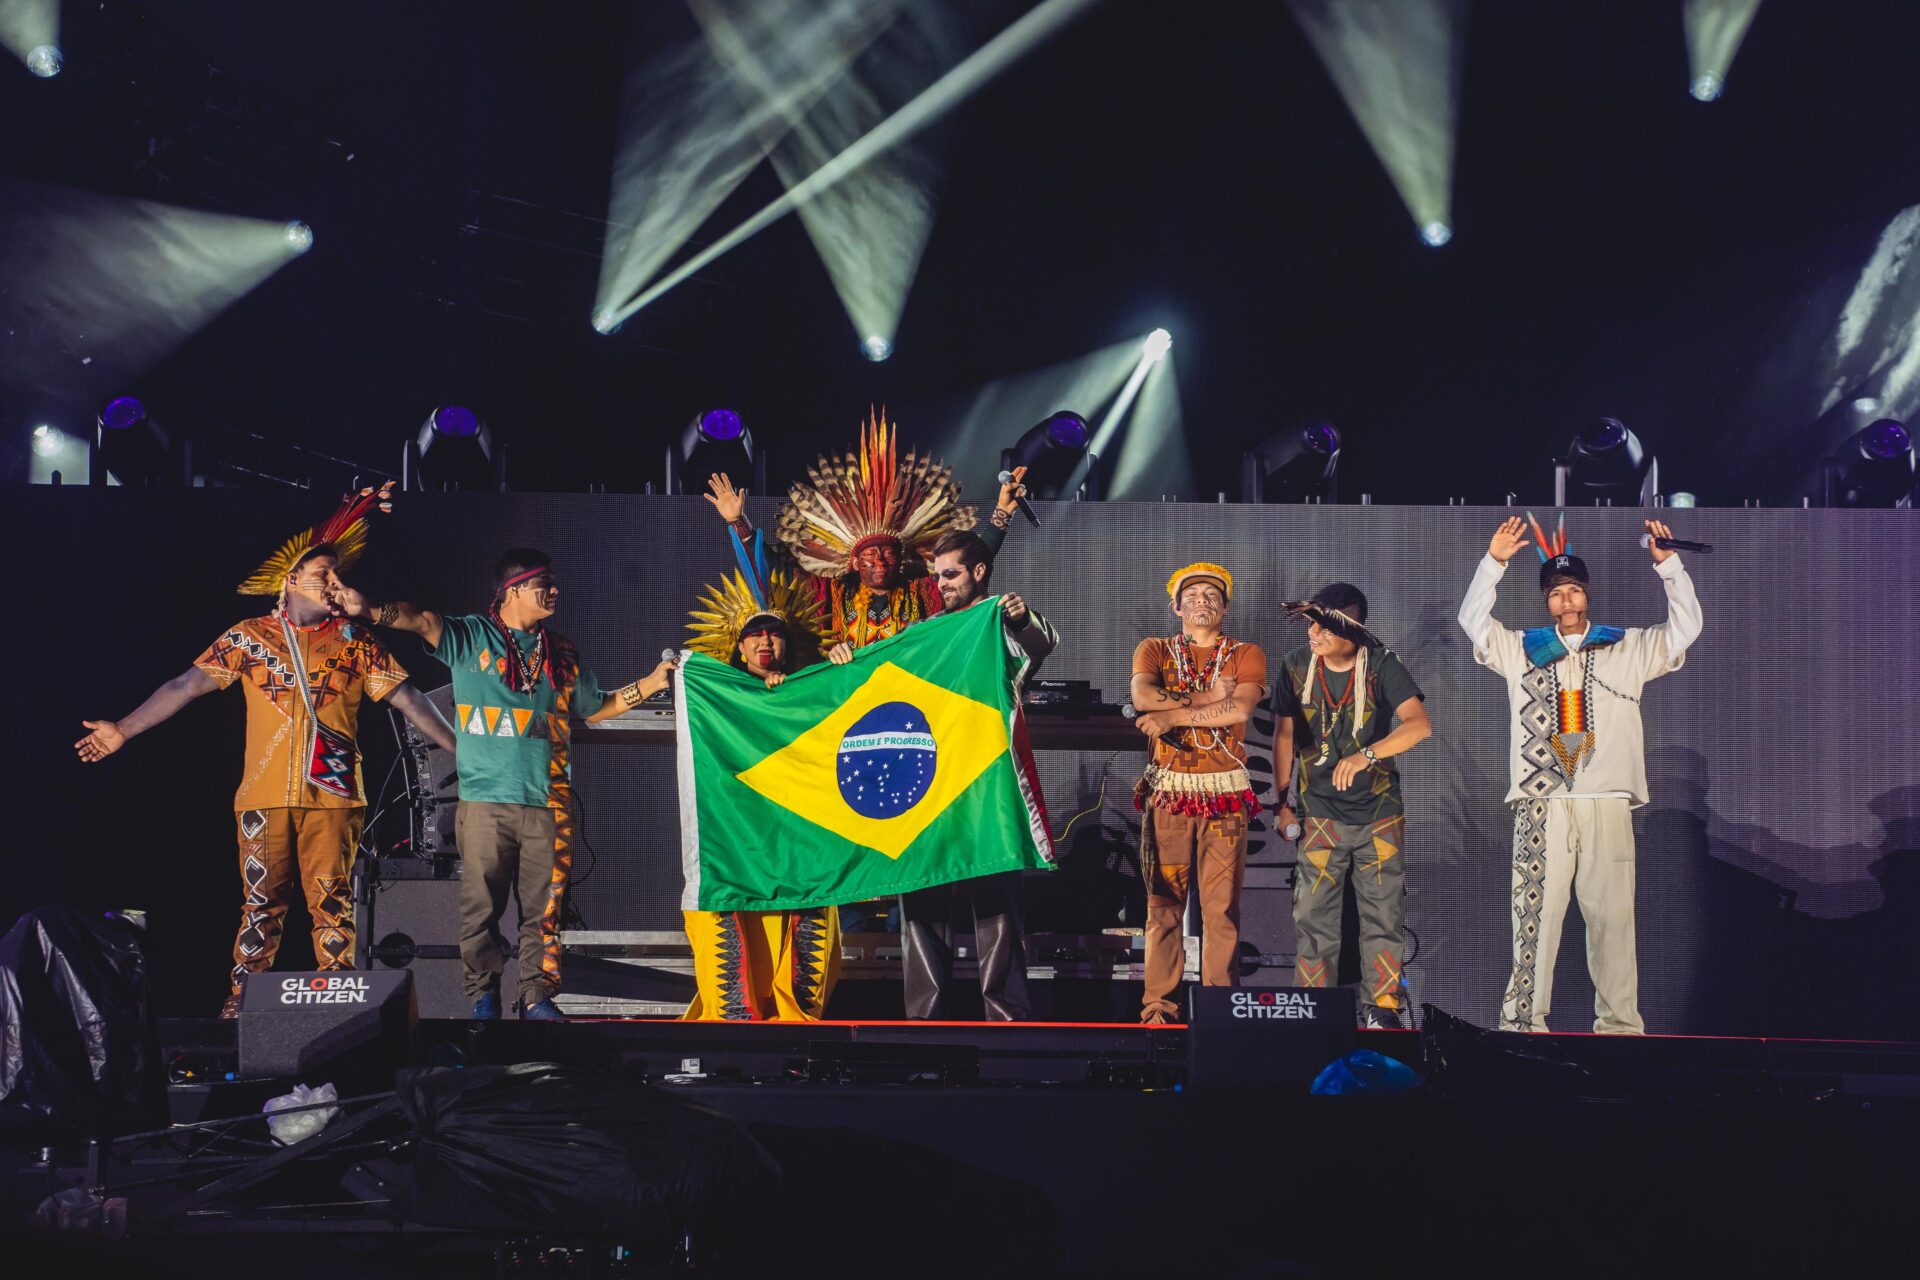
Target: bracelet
[1000, 519]
[631, 695]
[1368, 753]
[384, 615]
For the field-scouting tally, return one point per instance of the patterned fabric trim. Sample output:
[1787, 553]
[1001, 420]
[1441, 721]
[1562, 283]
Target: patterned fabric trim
[1540, 774]
[1529, 896]
[1545, 647]
[810, 959]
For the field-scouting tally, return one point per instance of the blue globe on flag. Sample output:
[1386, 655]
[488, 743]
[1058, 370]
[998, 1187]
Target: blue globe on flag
[886, 761]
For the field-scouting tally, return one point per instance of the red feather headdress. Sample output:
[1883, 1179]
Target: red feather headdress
[865, 497]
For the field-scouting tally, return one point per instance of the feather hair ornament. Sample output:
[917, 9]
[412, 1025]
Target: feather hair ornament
[345, 531]
[1549, 547]
[729, 605]
[876, 494]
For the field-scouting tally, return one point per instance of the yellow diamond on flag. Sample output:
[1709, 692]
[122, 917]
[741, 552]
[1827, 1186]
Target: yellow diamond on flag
[884, 764]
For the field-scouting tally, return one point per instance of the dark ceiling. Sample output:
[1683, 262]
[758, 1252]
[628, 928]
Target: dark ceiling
[1619, 247]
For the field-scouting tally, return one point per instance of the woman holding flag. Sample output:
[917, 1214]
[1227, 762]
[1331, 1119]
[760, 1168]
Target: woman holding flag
[752, 966]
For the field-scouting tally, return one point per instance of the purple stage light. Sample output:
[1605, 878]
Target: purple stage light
[1886, 439]
[721, 425]
[1321, 438]
[122, 413]
[1603, 434]
[456, 421]
[1067, 431]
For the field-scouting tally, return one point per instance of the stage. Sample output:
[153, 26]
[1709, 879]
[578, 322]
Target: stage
[1081, 1149]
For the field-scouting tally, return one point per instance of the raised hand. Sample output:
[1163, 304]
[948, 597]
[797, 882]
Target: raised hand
[1014, 609]
[1658, 529]
[1508, 540]
[726, 499]
[1009, 490]
[105, 739]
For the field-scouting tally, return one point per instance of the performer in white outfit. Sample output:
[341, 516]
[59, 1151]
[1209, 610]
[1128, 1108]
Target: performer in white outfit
[1577, 765]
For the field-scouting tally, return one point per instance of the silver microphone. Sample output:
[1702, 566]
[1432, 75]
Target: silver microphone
[1020, 500]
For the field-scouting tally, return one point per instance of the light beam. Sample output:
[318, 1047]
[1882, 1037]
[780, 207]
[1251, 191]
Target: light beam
[689, 136]
[1715, 29]
[30, 31]
[99, 289]
[1397, 65]
[935, 101]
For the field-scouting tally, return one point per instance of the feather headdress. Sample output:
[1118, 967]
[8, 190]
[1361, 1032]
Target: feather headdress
[733, 602]
[861, 498]
[345, 531]
[1557, 564]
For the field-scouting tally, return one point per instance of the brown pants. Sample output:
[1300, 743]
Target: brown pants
[507, 848]
[274, 842]
[1219, 846]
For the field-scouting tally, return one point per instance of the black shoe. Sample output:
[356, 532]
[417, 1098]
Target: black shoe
[1375, 1018]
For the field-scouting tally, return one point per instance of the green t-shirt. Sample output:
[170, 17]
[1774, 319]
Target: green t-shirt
[512, 748]
[1319, 713]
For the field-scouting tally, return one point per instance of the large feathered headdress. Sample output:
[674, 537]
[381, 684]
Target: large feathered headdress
[345, 531]
[861, 498]
[729, 605]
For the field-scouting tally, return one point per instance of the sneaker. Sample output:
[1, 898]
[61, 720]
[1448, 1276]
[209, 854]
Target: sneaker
[231, 1009]
[1375, 1018]
[541, 1010]
[487, 1007]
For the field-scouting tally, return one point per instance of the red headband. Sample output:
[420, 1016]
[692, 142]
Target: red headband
[519, 578]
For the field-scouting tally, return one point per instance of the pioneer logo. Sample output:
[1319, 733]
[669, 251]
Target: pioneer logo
[1296, 1005]
[324, 989]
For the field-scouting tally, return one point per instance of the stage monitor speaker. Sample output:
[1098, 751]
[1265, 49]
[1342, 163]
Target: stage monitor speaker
[294, 1024]
[1271, 1038]
[412, 924]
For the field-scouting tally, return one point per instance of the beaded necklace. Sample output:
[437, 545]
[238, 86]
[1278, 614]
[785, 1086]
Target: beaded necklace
[523, 670]
[1330, 708]
[1190, 677]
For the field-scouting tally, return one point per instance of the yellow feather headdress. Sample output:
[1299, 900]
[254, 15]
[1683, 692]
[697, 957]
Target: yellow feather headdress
[345, 531]
[729, 605]
[874, 494]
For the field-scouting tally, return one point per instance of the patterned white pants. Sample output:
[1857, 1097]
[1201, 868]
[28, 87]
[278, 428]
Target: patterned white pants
[1585, 846]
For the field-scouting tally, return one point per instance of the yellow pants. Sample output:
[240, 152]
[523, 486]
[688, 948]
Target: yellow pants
[750, 966]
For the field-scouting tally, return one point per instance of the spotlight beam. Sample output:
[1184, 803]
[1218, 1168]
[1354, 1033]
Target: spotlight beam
[690, 136]
[1715, 29]
[871, 229]
[933, 102]
[1397, 65]
[30, 25]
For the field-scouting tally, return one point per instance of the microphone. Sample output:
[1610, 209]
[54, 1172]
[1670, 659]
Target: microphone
[1171, 737]
[1020, 500]
[1675, 544]
[669, 655]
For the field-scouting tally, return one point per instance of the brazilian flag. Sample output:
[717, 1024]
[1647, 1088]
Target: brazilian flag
[904, 768]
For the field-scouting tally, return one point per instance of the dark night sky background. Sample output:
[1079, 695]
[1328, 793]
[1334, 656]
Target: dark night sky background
[1619, 247]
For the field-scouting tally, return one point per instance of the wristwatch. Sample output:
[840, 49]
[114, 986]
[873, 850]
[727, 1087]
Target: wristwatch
[1368, 753]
